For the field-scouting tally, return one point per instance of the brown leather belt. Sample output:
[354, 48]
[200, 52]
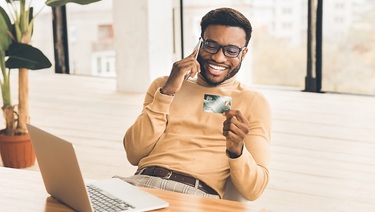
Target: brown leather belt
[164, 173]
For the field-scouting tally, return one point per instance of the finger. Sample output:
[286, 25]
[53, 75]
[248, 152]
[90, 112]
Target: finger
[190, 71]
[233, 125]
[237, 114]
[233, 140]
[184, 65]
[193, 54]
[196, 69]
[240, 131]
[228, 122]
[232, 120]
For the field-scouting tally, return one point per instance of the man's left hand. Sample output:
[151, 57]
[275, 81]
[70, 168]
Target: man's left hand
[235, 129]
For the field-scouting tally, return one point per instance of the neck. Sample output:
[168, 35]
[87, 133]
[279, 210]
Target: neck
[202, 81]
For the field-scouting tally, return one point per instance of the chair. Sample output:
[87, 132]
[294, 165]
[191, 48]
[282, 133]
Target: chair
[231, 193]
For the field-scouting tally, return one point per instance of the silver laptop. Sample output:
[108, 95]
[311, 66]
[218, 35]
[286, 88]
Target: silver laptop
[63, 180]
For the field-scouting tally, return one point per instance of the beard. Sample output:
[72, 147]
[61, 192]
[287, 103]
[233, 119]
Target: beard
[230, 74]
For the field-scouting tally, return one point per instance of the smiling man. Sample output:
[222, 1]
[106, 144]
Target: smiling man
[195, 134]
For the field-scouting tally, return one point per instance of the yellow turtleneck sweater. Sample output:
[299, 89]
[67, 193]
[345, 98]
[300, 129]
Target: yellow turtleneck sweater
[174, 132]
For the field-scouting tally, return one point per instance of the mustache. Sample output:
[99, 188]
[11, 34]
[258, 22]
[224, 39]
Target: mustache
[230, 74]
[202, 62]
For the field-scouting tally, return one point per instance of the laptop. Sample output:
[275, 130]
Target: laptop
[63, 180]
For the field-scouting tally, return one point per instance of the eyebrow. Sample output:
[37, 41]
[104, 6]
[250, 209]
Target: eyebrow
[210, 40]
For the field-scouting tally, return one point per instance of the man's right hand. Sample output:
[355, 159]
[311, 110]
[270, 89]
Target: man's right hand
[179, 70]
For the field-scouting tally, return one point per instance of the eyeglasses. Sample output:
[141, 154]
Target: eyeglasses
[213, 47]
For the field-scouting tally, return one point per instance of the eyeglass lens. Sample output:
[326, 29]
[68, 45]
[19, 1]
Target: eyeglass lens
[229, 51]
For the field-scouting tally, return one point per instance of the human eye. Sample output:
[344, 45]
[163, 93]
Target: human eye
[232, 50]
[211, 45]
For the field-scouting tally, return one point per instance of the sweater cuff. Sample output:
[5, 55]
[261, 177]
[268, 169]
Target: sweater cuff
[233, 156]
[237, 164]
[161, 102]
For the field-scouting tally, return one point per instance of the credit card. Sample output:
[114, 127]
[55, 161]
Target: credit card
[216, 104]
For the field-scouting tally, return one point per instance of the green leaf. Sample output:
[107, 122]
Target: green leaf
[25, 56]
[5, 27]
[57, 3]
[6, 17]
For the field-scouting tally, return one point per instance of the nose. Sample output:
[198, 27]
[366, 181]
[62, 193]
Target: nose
[219, 56]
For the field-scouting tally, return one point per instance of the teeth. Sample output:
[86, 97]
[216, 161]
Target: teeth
[217, 67]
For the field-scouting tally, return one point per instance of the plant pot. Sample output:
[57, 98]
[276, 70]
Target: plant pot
[17, 151]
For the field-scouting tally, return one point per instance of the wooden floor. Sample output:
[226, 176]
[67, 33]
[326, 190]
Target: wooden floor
[323, 145]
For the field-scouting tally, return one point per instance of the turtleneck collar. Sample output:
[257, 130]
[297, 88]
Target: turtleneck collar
[229, 82]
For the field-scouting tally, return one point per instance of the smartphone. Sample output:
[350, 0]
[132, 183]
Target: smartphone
[198, 46]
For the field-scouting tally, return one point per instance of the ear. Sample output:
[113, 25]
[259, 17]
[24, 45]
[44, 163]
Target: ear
[244, 52]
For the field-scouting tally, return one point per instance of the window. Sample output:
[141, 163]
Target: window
[349, 47]
[105, 31]
[287, 11]
[91, 39]
[277, 51]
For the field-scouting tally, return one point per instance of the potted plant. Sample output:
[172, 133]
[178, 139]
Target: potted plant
[16, 27]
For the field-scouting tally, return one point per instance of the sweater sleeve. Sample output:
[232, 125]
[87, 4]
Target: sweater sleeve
[249, 172]
[142, 136]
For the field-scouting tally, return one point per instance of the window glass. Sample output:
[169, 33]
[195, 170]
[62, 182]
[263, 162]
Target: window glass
[349, 46]
[91, 39]
[277, 50]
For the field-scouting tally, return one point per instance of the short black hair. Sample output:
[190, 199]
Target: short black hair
[227, 17]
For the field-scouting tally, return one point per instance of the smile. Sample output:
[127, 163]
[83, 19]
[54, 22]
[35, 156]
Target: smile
[218, 68]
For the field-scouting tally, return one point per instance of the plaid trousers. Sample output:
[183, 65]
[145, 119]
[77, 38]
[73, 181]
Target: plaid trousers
[164, 184]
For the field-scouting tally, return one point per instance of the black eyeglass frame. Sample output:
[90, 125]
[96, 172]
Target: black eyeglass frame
[223, 48]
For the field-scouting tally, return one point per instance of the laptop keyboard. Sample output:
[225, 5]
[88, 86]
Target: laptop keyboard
[104, 202]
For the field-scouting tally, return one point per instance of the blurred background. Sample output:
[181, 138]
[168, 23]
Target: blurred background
[278, 49]
[322, 144]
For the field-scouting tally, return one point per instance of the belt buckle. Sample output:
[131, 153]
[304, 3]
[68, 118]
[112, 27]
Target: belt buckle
[168, 176]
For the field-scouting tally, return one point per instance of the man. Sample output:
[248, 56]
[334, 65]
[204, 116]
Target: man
[178, 145]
